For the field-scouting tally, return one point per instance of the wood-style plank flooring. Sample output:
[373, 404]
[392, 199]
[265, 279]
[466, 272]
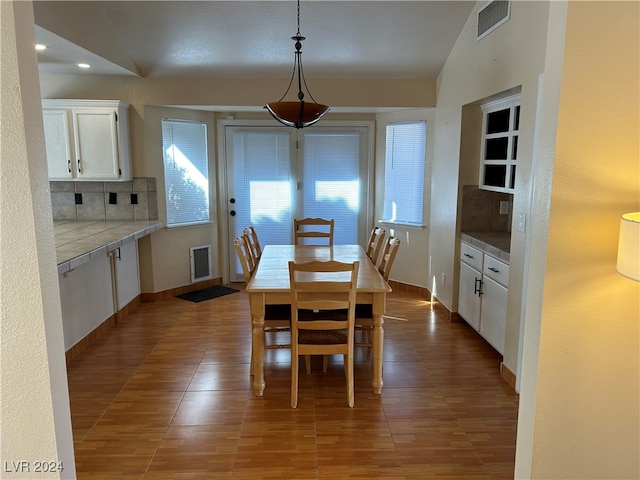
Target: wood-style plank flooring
[166, 394]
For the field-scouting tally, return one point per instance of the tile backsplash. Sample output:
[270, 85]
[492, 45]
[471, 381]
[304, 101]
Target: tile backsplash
[481, 210]
[105, 200]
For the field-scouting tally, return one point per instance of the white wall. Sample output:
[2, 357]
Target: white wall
[167, 251]
[35, 423]
[579, 404]
[411, 265]
[512, 56]
[581, 382]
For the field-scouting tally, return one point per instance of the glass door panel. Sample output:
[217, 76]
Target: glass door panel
[260, 187]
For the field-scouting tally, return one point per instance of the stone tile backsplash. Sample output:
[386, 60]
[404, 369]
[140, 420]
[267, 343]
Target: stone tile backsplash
[481, 210]
[105, 200]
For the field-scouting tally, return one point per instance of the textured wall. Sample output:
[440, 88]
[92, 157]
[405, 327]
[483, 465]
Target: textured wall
[35, 420]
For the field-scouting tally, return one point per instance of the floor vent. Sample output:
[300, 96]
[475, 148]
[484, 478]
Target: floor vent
[200, 263]
[491, 16]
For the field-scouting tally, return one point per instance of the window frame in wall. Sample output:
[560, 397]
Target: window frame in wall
[499, 144]
[405, 160]
[187, 200]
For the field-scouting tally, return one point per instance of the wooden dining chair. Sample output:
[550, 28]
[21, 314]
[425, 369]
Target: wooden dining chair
[388, 256]
[254, 243]
[277, 318]
[364, 312]
[243, 250]
[321, 228]
[323, 298]
[376, 238]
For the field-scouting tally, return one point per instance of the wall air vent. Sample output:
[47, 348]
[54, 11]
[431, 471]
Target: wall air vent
[200, 263]
[491, 16]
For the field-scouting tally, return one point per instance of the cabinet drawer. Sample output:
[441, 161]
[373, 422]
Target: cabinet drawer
[497, 270]
[471, 256]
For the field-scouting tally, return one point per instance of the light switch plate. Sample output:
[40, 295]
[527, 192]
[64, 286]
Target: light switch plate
[522, 219]
[504, 207]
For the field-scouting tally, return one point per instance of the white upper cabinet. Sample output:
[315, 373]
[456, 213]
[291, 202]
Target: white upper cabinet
[87, 140]
[499, 150]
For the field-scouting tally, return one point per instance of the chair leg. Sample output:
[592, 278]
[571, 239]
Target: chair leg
[307, 362]
[294, 379]
[325, 363]
[348, 359]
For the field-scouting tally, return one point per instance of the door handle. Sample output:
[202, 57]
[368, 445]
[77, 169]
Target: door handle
[477, 286]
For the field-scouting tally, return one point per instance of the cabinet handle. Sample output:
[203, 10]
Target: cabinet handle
[467, 255]
[79, 166]
[494, 270]
[477, 286]
[69, 165]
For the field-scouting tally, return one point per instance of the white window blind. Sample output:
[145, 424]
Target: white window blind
[404, 172]
[262, 185]
[331, 185]
[186, 171]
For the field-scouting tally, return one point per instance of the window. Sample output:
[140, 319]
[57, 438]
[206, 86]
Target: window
[186, 171]
[331, 181]
[404, 172]
[499, 149]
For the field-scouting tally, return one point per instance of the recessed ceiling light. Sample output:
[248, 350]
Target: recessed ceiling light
[40, 46]
[84, 65]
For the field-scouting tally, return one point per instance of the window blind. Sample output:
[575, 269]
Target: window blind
[186, 171]
[404, 172]
[331, 181]
[262, 185]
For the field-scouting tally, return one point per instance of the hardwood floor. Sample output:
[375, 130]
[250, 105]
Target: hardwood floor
[166, 394]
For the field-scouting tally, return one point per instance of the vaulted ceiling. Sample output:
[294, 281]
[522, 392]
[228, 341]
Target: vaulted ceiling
[250, 39]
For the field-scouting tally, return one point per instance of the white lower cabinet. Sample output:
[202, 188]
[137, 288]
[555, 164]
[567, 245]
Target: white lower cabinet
[86, 298]
[126, 274]
[493, 313]
[94, 291]
[483, 293]
[469, 302]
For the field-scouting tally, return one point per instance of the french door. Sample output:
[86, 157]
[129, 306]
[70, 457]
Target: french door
[277, 174]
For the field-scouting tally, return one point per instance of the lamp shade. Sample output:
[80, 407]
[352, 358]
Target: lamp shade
[297, 114]
[629, 246]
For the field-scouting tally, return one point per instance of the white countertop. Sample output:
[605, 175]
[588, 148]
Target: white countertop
[79, 242]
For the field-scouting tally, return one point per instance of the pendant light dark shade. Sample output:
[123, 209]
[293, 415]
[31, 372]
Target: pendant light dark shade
[298, 114]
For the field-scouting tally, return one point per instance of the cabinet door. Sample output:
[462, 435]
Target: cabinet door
[127, 277]
[494, 313]
[96, 144]
[86, 298]
[58, 144]
[468, 299]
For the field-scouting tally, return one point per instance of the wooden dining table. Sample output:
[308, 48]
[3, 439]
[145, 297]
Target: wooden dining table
[270, 286]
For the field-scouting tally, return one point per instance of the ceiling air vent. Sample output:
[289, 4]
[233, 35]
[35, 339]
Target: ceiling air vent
[491, 16]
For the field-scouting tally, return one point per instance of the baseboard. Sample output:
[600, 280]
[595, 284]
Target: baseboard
[172, 292]
[93, 336]
[507, 375]
[128, 308]
[405, 287]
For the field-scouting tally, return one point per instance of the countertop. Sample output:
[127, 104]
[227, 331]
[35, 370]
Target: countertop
[497, 244]
[79, 242]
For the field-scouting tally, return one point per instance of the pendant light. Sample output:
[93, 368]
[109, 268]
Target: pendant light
[298, 114]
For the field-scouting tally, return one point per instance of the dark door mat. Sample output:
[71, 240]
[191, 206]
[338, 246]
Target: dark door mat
[207, 293]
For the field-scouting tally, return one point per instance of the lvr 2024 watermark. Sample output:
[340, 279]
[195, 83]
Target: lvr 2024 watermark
[27, 466]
